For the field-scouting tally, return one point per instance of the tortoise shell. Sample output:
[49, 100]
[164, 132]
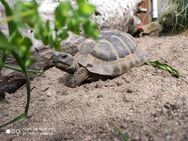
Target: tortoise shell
[113, 54]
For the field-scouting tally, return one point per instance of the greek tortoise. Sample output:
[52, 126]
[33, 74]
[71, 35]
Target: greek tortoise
[113, 54]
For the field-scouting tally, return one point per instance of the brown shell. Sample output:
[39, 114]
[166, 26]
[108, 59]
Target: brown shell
[113, 54]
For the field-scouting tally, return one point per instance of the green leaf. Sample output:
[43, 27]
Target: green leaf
[91, 30]
[15, 38]
[164, 67]
[56, 44]
[28, 62]
[63, 34]
[21, 50]
[46, 34]
[18, 118]
[63, 12]
[5, 48]
[73, 25]
[2, 61]
[4, 43]
[125, 137]
[38, 29]
[85, 8]
[26, 13]
[43, 32]
[11, 24]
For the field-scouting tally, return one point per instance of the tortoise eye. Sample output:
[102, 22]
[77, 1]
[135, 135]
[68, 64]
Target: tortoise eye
[64, 56]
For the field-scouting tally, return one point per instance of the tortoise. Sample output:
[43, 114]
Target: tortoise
[111, 55]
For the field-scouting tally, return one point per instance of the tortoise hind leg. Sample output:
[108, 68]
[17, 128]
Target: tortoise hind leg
[78, 77]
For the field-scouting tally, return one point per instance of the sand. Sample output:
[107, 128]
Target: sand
[147, 104]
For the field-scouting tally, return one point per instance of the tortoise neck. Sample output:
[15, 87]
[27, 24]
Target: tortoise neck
[74, 67]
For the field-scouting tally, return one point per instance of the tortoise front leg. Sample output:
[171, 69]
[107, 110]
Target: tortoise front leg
[78, 77]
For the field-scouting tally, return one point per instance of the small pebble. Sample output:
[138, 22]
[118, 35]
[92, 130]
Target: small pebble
[42, 99]
[119, 83]
[125, 79]
[88, 104]
[100, 96]
[129, 91]
[45, 89]
[50, 93]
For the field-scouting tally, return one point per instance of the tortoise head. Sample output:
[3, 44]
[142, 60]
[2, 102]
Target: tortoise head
[64, 61]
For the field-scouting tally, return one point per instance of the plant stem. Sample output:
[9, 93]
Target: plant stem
[25, 114]
[28, 92]
[20, 117]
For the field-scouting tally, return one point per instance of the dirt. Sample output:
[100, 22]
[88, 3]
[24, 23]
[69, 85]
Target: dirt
[146, 104]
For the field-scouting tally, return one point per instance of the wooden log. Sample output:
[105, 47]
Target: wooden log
[11, 80]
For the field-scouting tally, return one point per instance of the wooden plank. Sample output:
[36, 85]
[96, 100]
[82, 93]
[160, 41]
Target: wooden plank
[146, 17]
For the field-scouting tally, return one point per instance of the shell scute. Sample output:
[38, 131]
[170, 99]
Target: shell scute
[127, 39]
[103, 51]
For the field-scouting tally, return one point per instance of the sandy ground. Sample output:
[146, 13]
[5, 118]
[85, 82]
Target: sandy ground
[145, 103]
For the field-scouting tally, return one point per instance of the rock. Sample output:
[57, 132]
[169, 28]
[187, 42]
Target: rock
[152, 29]
[111, 14]
[111, 10]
